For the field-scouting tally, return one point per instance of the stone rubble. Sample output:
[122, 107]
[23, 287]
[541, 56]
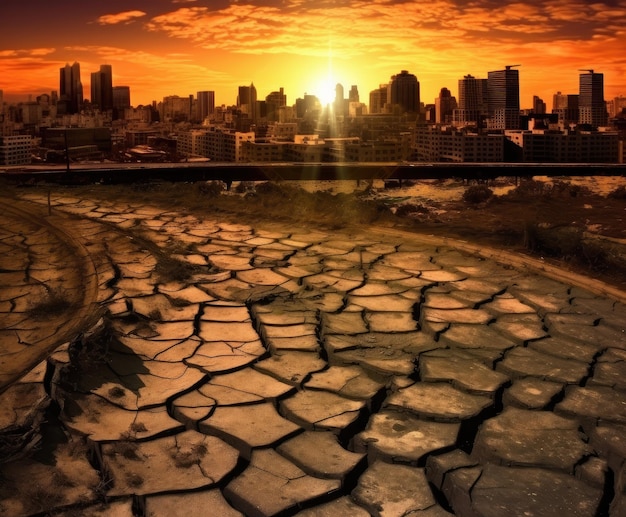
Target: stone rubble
[199, 366]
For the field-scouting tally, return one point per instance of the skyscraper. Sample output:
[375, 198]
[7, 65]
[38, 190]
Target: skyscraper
[472, 103]
[591, 105]
[121, 101]
[273, 102]
[405, 92]
[353, 95]
[205, 105]
[445, 104]
[102, 88]
[379, 99]
[503, 98]
[71, 89]
[539, 107]
[340, 107]
[246, 100]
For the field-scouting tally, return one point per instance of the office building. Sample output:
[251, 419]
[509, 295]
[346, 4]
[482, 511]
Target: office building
[405, 92]
[503, 98]
[566, 107]
[121, 101]
[102, 88]
[591, 105]
[205, 105]
[379, 99]
[547, 146]
[445, 105]
[472, 102]
[448, 144]
[353, 95]
[246, 100]
[273, 103]
[539, 107]
[70, 90]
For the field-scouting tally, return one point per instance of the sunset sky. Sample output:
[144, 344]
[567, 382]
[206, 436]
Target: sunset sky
[180, 47]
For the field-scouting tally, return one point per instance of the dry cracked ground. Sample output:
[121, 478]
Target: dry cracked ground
[189, 366]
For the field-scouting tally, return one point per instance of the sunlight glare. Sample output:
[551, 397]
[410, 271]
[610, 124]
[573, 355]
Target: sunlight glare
[325, 91]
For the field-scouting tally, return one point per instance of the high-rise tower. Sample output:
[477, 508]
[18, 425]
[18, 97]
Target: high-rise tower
[405, 92]
[71, 89]
[379, 99]
[503, 98]
[246, 100]
[472, 104]
[102, 88]
[205, 105]
[445, 104]
[591, 105]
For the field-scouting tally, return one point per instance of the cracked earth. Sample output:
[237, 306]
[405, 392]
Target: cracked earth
[205, 367]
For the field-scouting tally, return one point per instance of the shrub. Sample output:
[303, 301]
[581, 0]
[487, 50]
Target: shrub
[411, 208]
[210, 188]
[477, 194]
[618, 193]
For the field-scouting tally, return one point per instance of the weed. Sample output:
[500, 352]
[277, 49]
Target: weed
[186, 459]
[116, 392]
[126, 449]
[134, 480]
[477, 194]
[57, 301]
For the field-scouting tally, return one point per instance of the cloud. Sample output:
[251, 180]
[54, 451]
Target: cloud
[123, 17]
[33, 52]
[356, 28]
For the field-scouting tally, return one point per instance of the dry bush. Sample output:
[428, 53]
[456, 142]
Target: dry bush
[411, 208]
[56, 302]
[618, 193]
[477, 194]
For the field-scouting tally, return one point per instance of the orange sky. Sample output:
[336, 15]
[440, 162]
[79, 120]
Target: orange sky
[179, 47]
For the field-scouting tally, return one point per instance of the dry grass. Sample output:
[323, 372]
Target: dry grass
[57, 301]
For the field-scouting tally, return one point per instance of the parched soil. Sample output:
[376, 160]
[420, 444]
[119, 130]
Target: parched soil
[561, 222]
[580, 231]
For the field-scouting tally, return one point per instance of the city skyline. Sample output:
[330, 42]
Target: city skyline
[179, 47]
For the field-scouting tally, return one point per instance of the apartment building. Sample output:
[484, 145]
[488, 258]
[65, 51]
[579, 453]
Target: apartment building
[15, 150]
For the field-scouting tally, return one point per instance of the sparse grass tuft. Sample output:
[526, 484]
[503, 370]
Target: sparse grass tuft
[57, 301]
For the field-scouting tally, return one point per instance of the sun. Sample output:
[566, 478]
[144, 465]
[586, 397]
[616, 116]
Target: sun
[325, 91]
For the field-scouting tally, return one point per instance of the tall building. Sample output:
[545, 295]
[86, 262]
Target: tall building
[71, 89]
[205, 105]
[273, 102]
[591, 105]
[566, 107]
[121, 101]
[539, 107]
[472, 103]
[445, 105]
[503, 98]
[246, 100]
[379, 99]
[1, 102]
[339, 105]
[102, 88]
[405, 92]
[353, 95]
